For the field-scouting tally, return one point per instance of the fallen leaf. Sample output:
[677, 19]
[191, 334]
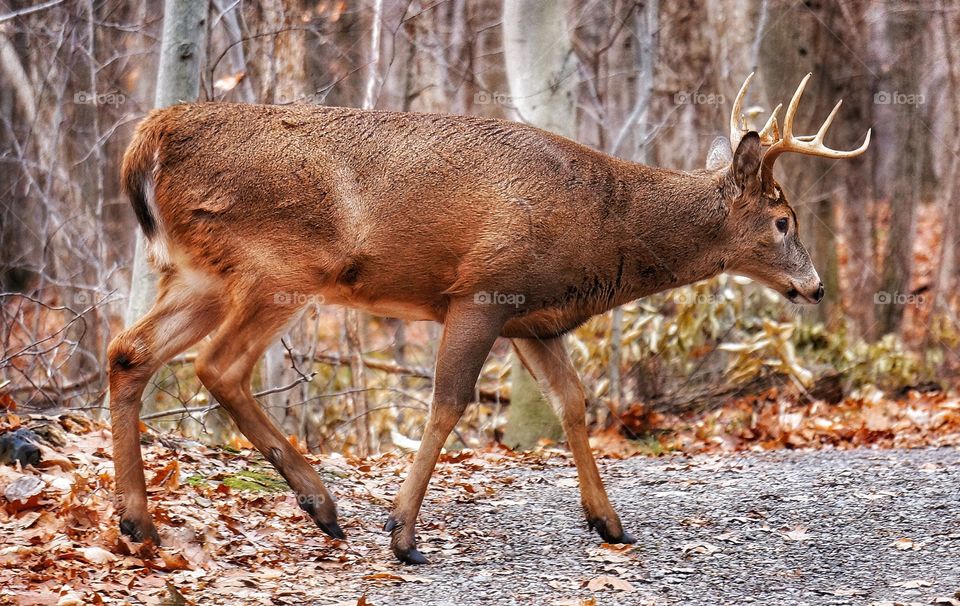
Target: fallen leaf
[173, 560]
[912, 584]
[906, 544]
[96, 555]
[700, 547]
[609, 556]
[228, 83]
[799, 533]
[604, 581]
[27, 520]
[23, 488]
[174, 597]
[71, 599]
[844, 592]
[412, 578]
[168, 477]
[873, 496]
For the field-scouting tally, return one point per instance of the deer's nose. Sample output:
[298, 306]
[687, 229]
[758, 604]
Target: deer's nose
[819, 295]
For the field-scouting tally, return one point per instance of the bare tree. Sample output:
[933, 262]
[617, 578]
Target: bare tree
[901, 122]
[178, 80]
[182, 53]
[541, 68]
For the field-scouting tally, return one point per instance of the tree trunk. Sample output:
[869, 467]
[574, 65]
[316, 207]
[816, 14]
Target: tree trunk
[286, 70]
[949, 203]
[238, 59]
[802, 39]
[903, 125]
[541, 69]
[178, 80]
[352, 317]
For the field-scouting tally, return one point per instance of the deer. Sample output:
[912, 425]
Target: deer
[422, 216]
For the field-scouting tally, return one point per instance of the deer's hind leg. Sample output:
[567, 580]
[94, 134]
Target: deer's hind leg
[225, 366]
[182, 315]
[548, 361]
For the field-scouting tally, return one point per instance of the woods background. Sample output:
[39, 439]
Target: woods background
[648, 81]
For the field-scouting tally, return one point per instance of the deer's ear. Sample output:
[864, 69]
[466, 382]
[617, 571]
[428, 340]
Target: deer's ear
[746, 161]
[719, 155]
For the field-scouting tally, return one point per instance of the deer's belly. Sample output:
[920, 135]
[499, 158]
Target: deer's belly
[544, 323]
[387, 308]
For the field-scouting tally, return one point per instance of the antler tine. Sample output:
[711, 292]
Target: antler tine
[792, 111]
[770, 134]
[812, 145]
[826, 123]
[737, 129]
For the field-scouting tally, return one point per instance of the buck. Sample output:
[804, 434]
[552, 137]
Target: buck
[421, 217]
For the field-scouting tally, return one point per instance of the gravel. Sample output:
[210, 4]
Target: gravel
[787, 527]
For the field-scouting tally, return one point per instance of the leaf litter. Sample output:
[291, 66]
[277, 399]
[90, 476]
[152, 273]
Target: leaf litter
[232, 532]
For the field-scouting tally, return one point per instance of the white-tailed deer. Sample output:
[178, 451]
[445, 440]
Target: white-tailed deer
[493, 228]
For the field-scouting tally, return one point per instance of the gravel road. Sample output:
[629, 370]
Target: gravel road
[824, 527]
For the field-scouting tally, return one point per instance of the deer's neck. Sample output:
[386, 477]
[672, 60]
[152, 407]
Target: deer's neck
[675, 231]
[663, 230]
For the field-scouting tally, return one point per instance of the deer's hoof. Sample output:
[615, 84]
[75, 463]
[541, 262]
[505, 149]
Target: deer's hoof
[402, 543]
[140, 531]
[322, 514]
[606, 531]
[409, 555]
[391, 524]
[332, 529]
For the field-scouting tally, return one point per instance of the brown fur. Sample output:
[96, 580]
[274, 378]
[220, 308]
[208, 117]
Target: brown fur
[422, 217]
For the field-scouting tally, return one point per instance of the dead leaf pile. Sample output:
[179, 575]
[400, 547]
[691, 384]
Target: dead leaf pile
[772, 421]
[221, 514]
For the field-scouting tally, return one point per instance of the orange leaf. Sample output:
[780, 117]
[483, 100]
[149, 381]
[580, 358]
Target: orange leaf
[7, 402]
[168, 477]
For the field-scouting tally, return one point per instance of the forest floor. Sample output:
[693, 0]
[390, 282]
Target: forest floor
[829, 526]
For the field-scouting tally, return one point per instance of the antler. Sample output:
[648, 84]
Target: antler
[812, 145]
[769, 134]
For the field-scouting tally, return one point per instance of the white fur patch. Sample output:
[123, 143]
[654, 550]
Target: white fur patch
[158, 248]
[196, 281]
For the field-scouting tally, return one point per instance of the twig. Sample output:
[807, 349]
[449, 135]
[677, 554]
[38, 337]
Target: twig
[29, 10]
[209, 407]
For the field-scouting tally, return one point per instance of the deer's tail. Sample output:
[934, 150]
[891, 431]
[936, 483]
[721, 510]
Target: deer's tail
[138, 176]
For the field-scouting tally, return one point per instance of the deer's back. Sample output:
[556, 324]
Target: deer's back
[381, 209]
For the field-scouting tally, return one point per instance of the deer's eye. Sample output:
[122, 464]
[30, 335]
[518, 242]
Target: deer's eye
[783, 224]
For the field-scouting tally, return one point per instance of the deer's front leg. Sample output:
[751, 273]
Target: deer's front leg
[131, 489]
[468, 333]
[549, 362]
[178, 319]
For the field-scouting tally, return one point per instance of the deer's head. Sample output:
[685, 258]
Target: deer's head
[762, 226]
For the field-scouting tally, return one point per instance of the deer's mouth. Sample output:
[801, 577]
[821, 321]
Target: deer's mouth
[795, 295]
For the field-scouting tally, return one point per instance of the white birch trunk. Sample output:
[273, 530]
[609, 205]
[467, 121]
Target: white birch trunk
[541, 70]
